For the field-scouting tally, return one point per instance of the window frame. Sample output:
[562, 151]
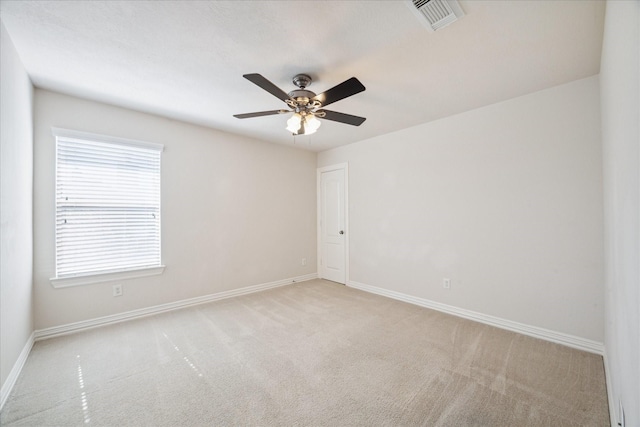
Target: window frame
[121, 274]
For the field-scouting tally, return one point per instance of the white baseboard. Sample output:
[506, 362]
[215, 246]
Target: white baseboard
[15, 371]
[532, 331]
[613, 408]
[69, 328]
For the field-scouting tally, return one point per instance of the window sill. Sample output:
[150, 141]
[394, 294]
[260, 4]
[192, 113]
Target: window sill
[66, 282]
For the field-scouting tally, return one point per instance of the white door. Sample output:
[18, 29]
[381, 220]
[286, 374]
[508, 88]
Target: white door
[332, 224]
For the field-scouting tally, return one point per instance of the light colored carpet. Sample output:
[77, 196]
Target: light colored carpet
[309, 354]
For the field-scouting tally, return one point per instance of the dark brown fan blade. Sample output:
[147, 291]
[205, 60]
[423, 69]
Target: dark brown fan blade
[341, 91]
[259, 113]
[343, 118]
[267, 85]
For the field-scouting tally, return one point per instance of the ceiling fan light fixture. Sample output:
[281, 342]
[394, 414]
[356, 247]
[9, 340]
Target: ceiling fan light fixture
[306, 124]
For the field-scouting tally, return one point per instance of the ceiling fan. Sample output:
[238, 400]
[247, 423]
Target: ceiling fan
[306, 106]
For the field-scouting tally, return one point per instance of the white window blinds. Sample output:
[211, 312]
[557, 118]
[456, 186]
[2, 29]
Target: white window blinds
[107, 204]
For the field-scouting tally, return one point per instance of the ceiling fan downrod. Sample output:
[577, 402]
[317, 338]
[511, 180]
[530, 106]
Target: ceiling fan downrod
[301, 80]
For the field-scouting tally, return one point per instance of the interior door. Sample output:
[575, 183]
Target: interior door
[332, 223]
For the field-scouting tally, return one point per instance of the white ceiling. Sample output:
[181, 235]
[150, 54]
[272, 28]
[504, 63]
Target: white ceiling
[185, 59]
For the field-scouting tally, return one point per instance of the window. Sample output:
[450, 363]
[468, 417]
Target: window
[107, 208]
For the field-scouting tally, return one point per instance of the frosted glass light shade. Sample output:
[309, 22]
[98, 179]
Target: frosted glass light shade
[311, 124]
[293, 124]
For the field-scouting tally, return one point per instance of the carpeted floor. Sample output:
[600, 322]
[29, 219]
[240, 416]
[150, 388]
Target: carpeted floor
[309, 354]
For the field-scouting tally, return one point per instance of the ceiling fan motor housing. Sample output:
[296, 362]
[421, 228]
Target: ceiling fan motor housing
[301, 96]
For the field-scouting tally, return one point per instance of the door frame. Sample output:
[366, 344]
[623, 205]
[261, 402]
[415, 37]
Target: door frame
[344, 167]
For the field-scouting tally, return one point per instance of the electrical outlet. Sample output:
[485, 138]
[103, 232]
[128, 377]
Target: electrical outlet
[304, 261]
[446, 283]
[117, 290]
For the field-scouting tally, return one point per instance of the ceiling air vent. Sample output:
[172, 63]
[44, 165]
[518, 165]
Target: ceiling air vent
[436, 14]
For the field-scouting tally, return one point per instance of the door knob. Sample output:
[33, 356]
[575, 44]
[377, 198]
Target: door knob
[341, 231]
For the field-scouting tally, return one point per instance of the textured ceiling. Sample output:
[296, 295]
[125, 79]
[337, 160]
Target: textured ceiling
[185, 59]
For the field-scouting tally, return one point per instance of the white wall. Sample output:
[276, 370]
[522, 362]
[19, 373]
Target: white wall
[620, 94]
[505, 200]
[235, 212]
[16, 183]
